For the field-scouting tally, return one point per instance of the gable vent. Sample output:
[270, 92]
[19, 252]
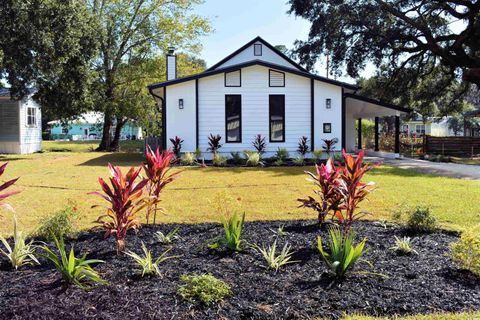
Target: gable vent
[233, 79]
[276, 78]
[257, 49]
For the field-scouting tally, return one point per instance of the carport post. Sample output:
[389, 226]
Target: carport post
[359, 133]
[376, 134]
[397, 135]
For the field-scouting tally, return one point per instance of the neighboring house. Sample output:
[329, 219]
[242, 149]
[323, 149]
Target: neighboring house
[20, 124]
[89, 126]
[259, 90]
[437, 127]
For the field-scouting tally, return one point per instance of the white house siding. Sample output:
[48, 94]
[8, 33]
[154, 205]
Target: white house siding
[350, 132]
[323, 115]
[255, 110]
[247, 54]
[181, 122]
[30, 137]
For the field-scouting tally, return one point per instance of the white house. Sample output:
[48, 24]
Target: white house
[437, 127]
[259, 90]
[20, 124]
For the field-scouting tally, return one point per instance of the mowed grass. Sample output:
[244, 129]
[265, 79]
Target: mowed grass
[89, 145]
[49, 181]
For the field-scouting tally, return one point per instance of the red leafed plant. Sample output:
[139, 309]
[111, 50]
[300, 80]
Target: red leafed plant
[353, 189]
[125, 199]
[157, 169]
[4, 186]
[327, 179]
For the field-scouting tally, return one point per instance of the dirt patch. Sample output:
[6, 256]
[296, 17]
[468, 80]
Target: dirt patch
[423, 283]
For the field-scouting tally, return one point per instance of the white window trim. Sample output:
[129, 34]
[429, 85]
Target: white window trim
[34, 117]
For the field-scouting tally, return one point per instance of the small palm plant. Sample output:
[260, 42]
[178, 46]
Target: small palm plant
[22, 253]
[146, 262]
[343, 253]
[74, 271]
[273, 260]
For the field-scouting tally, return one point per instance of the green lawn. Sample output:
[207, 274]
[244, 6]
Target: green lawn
[86, 146]
[49, 181]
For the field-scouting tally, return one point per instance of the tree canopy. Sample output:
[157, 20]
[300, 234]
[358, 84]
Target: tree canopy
[417, 35]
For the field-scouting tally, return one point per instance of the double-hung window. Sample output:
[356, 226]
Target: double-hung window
[277, 117]
[233, 118]
[31, 117]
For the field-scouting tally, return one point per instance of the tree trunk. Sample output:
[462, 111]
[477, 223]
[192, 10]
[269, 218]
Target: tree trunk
[105, 142]
[115, 145]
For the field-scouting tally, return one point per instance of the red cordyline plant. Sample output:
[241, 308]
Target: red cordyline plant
[3, 187]
[353, 189]
[157, 169]
[125, 200]
[327, 179]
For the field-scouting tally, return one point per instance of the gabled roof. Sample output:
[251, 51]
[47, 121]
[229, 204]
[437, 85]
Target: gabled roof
[265, 43]
[210, 72]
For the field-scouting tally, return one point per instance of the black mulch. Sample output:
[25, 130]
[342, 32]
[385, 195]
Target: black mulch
[423, 283]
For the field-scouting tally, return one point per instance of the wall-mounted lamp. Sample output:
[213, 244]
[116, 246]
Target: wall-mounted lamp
[328, 103]
[180, 103]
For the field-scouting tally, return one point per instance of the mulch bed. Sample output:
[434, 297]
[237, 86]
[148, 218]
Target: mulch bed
[423, 283]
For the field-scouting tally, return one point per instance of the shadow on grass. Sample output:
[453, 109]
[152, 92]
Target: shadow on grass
[117, 159]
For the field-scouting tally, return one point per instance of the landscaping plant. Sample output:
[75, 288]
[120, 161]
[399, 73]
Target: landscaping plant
[343, 253]
[299, 161]
[60, 223]
[167, 238]
[188, 159]
[236, 158]
[253, 159]
[327, 179]
[177, 146]
[22, 253]
[219, 160]
[203, 288]
[282, 154]
[329, 145]
[280, 231]
[466, 251]
[125, 200]
[232, 227]
[303, 146]
[273, 260]
[3, 187]
[157, 169]
[259, 144]
[317, 155]
[146, 262]
[74, 271]
[198, 153]
[421, 220]
[214, 143]
[403, 246]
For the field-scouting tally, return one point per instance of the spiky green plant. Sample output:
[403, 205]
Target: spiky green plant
[22, 253]
[273, 260]
[189, 159]
[343, 253]
[167, 238]
[74, 271]
[232, 227]
[403, 246]
[280, 231]
[253, 159]
[146, 262]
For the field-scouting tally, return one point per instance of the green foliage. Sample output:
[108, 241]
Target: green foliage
[219, 160]
[466, 251]
[167, 238]
[280, 231]
[198, 153]
[232, 227]
[282, 154]
[317, 155]
[203, 288]
[299, 161]
[236, 158]
[74, 271]
[343, 253]
[273, 260]
[253, 159]
[418, 219]
[146, 263]
[403, 246]
[60, 223]
[22, 253]
[189, 159]
[278, 162]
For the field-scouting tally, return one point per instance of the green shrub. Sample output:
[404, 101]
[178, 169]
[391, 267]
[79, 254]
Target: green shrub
[59, 224]
[198, 153]
[317, 155]
[418, 219]
[219, 160]
[282, 154]
[466, 251]
[236, 158]
[203, 288]
[278, 162]
[188, 159]
[299, 161]
[253, 159]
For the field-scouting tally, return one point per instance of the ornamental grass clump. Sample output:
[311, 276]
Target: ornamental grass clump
[157, 169]
[189, 159]
[168, 238]
[343, 253]
[22, 253]
[466, 251]
[274, 261]
[125, 201]
[74, 271]
[203, 288]
[403, 246]
[253, 159]
[146, 264]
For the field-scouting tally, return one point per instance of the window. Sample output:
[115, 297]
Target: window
[233, 118]
[276, 78]
[65, 130]
[327, 128]
[31, 117]
[328, 103]
[420, 129]
[277, 117]
[233, 79]
[257, 49]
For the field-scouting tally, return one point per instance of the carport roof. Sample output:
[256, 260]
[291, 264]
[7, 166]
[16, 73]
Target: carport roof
[368, 107]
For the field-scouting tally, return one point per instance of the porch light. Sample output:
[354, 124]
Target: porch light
[328, 103]
[180, 103]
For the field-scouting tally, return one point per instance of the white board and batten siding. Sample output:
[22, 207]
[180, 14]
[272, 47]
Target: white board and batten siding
[31, 135]
[322, 115]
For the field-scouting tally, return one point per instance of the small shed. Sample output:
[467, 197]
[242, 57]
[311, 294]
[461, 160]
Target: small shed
[20, 124]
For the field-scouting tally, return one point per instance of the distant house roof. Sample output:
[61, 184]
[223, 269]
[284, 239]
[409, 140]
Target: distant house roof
[85, 118]
[5, 92]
